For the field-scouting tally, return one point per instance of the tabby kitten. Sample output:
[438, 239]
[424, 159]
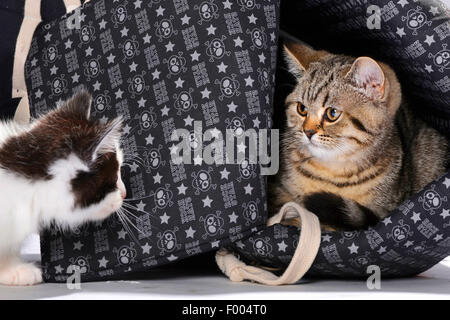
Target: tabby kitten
[62, 168]
[352, 151]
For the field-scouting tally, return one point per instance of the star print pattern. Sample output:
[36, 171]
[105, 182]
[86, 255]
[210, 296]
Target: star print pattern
[139, 59]
[412, 239]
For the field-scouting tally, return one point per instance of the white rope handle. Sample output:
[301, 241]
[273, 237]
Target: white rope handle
[31, 18]
[72, 4]
[304, 255]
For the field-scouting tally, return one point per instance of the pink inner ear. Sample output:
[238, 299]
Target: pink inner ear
[369, 76]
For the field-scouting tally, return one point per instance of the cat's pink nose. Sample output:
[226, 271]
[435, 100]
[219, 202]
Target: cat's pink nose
[123, 193]
[309, 133]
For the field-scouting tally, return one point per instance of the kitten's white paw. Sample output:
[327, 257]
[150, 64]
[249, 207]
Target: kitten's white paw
[24, 274]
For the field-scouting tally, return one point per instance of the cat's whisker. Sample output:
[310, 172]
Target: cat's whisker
[140, 218]
[124, 219]
[150, 215]
[137, 158]
[131, 161]
[128, 154]
[133, 156]
[136, 209]
[136, 161]
[131, 223]
[124, 223]
[142, 148]
[136, 199]
[129, 205]
[127, 161]
[127, 221]
[129, 212]
[124, 211]
[140, 163]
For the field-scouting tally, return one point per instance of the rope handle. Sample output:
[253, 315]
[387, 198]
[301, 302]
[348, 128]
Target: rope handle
[72, 4]
[304, 255]
[32, 17]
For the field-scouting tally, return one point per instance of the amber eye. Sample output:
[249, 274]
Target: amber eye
[302, 110]
[332, 114]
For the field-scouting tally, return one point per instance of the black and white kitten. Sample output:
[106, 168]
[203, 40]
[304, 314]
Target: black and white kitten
[62, 168]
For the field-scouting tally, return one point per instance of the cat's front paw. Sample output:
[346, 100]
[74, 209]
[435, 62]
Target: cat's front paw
[24, 274]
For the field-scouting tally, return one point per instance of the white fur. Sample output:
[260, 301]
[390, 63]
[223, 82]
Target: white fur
[10, 129]
[324, 152]
[26, 206]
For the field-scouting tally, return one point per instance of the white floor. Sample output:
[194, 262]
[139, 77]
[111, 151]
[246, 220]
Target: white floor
[179, 283]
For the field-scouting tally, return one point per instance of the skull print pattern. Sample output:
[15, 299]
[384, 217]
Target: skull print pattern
[410, 240]
[162, 65]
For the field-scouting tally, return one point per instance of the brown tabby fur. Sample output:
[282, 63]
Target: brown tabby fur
[367, 162]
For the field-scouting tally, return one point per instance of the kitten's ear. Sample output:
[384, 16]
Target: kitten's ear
[367, 75]
[78, 106]
[298, 57]
[109, 138]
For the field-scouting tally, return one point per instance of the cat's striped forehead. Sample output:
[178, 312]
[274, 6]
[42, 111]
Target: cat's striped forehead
[321, 76]
[342, 86]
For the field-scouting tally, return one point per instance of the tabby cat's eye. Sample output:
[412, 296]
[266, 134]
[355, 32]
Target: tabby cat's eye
[302, 110]
[332, 114]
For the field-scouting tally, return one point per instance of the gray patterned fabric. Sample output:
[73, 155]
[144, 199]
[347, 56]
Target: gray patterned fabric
[411, 240]
[162, 66]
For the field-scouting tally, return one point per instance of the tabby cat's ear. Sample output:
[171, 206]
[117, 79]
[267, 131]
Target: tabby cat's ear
[298, 57]
[367, 75]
